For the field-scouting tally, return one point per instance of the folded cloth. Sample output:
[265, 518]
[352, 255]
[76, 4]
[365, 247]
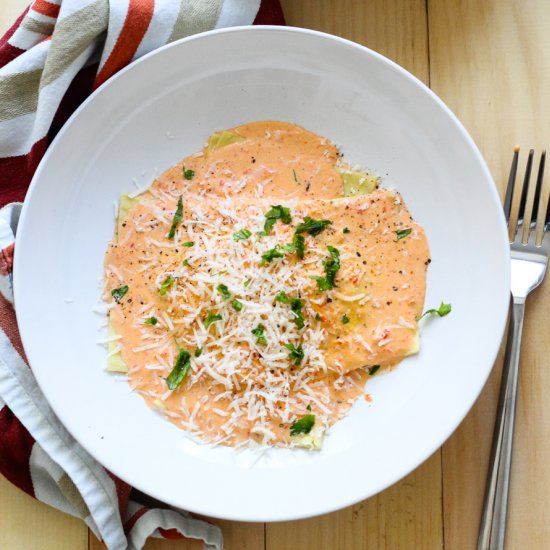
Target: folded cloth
[56, 53]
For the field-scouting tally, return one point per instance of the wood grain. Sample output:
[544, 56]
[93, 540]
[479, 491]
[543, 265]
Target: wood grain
[10, 10]
[28, 524]
[490, 61]
[394, 28]
[405, 516]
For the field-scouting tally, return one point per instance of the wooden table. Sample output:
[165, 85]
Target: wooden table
[490, 62]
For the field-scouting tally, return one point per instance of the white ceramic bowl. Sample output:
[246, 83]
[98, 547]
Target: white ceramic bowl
[159, 110]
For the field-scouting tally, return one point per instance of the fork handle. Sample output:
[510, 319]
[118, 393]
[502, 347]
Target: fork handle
[495, 506]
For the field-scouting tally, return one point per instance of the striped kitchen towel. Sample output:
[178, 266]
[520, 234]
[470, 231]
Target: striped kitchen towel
[56, 53]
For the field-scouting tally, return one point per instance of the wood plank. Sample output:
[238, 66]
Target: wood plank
[405, 516]
[394, 28]
[10, 10]
[237, 536]
[29, 524]
[409, 514]
[490, 61]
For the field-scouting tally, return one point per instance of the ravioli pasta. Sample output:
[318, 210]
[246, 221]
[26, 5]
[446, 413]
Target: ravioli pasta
[288, 279]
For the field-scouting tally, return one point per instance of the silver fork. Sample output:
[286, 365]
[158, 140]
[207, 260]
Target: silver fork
[525, 210]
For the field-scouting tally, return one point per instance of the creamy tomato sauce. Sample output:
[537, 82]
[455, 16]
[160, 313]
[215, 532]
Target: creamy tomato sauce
[264, 342]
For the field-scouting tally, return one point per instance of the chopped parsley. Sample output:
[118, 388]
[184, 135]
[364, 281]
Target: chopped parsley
[188, 244]
[224, 291]
[211, 318]
[345, 319]
[180, 370]
[188, 174]
[373, 370]
[289, 247]
[247, 282]
[241, 235]
[237, 306]
[296, 353]
[198, 352]
[151, 321]
[318, 317]
[259, 333]
[322, 283]
[311, 226]
[119, 293]
[298, 241]
[346, 230]
[177, 218]
[185, 263]
[296, 306]
[303, 425]
[282, 297]
[444, 309]
[331, 265]
[277, 212]
[166, 284]
[402, 233]
[271, 254]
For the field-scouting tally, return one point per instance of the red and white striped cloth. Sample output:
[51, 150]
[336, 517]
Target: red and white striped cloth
[56, 53]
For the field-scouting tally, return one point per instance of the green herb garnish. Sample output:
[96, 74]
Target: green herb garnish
[224, 291]
[151, 321]
[373, 369]
[198, 352]
[210, 318]
[346, 230]
[185, 263]
[237, 306]
[259, 333]
[271, 254]
[241, 235]
[322, 283]
[177, 218]
[282, 297]
[277, 212]
[303, 425]
[345, 319]
[296, 306]
[188, 174]
[247, 282]
[332, 265]
[318, 317]
[311, 226]
[289, 248]
[402, 233]
[298, 242]
[166, 284]
[180, 370]
[444, 309]
[188, 244]
[119, 293]
[296, 353]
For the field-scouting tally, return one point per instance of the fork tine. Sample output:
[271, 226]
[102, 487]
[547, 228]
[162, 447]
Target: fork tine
[543, 212]
[538, 191]
[527, 205]
[510, 186]
[525, 189]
